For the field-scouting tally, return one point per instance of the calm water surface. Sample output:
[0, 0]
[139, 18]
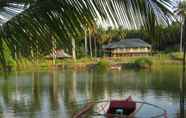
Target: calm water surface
[57, 93]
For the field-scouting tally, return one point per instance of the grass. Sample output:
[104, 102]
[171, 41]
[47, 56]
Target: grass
[158, 59]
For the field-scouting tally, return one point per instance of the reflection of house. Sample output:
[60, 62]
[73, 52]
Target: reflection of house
[58, 54]
[127, 47]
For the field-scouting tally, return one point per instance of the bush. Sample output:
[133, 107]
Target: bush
[176, 55]
[143, 63]
[102, 65]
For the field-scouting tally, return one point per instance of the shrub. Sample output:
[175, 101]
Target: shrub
[143, 63]
[102, 65]
[176, 55]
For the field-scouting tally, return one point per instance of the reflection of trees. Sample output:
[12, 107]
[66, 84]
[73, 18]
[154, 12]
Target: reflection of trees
[160, 81]
[85, 85]
[97, 86]
[54, 89]
[5, 91]
[70, 92]
[167, 82]
[36, 94]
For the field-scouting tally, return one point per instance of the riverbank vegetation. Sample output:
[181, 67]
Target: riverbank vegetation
[102, 65]
[143, 63]
[88, 52]
[101, 62]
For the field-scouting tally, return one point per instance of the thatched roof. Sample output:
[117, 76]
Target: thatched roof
[59, 54]
[127, 43]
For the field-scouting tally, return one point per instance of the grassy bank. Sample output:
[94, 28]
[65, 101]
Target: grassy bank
[83, 63]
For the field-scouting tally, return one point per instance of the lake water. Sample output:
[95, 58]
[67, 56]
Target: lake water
[57, 93]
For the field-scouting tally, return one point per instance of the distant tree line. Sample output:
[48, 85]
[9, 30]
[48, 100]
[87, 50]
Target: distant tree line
[166, 38]
[89, 43]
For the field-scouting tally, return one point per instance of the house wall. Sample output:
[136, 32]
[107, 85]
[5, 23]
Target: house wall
[130, 51]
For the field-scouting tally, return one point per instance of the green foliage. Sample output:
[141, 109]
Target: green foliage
[8, 56]
[102, 65]
[176, 55]
[143, 63]
[47, 21]
[166, 37]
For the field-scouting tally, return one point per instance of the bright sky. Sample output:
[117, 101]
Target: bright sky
[9, 11]
[121, 16]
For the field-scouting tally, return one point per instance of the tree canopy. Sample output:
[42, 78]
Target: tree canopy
[48, 21]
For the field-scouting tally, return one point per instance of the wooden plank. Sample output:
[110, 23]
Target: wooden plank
[85, 109]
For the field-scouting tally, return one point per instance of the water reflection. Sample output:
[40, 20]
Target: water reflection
[57, 93]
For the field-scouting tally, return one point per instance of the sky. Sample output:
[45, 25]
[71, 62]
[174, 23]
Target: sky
[9, 11]
[114, 20]
[120, 19]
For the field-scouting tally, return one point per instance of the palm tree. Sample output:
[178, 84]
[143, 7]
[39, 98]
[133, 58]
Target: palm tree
[181, 9]
[67, 19]
[182, 12]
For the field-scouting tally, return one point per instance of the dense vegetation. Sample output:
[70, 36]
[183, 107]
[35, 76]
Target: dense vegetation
[102, 65]
[143, 63]
[72, 25]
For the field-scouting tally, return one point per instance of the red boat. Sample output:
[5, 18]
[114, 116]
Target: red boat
[127, 108]
[121, 107]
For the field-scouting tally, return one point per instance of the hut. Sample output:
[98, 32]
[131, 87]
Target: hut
[58, 54]
[127, 47]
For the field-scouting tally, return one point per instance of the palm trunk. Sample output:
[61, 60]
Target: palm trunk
[15, 53]
[182, 81]
[181, 35]
[86, 48]
[53, 50]
[90, 43]
[37, 52]
[73, 49]
[95, 45]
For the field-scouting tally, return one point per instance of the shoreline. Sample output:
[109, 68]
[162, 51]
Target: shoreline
[88, 63]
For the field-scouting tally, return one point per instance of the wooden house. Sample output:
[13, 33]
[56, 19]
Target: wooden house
[127, 47]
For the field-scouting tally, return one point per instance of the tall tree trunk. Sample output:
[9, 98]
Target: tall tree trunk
[90, 43]
[95, 45]
[31, 49]
[181, 35]
[73, 49]
[86, 48]
[15, 53]
[37, 52]
[182, 81]
[53, 50]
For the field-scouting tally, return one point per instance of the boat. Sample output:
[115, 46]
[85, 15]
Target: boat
[115, 67]
[126, 108]
[121, 107]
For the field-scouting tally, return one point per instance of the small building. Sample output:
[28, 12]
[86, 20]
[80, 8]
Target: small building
[127, 47]
[58, 54]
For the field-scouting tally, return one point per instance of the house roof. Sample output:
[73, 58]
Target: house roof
[10, 10]
[58, 53]
[127, 43]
